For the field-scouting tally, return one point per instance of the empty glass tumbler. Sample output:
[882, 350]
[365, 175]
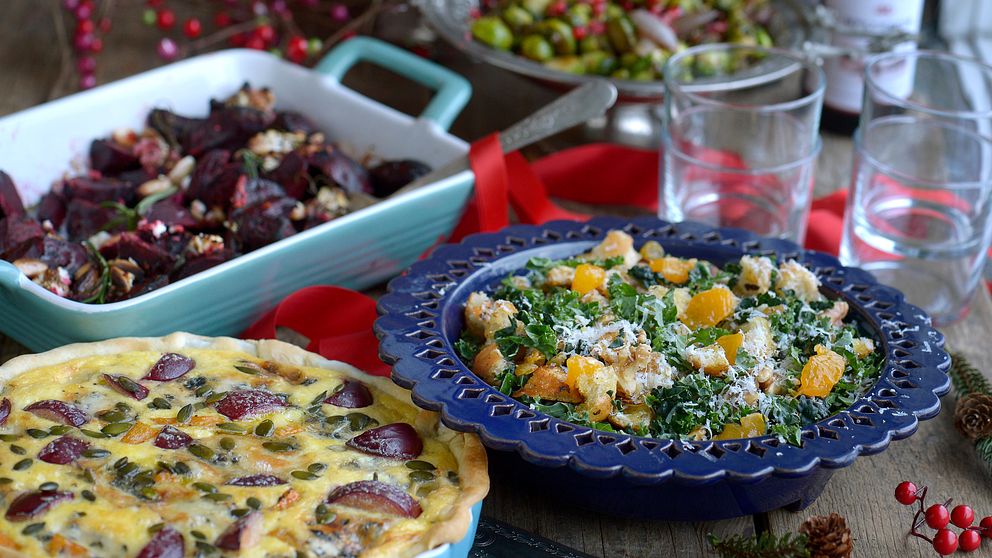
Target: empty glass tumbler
[741, 138]
[921, 189]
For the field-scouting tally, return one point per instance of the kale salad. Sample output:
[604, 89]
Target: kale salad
[642, 342]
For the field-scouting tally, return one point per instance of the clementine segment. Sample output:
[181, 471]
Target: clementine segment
[821, 372]
[588, 277]
[709, 308]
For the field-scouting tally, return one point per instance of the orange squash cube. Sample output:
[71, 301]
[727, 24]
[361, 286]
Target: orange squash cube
[578, 365]
[753, 425]
[731, 343]
[731, 431]
[587, 278]
[673, 269]
[709, 308]
[821, 372]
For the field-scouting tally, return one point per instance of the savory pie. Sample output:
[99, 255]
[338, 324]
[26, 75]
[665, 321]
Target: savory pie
[193, 446]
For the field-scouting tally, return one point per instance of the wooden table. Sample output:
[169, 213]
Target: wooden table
[936, 455]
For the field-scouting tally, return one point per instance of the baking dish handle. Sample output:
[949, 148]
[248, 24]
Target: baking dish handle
[10, 276]
[453, 91]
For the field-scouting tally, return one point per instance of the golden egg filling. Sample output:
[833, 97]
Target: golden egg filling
[190, 446]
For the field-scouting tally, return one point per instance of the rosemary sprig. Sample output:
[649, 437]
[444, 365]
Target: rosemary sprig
[251, 163]
[765, 545]
[101, 293]
[130, 217]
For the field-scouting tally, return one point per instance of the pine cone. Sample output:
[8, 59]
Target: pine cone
[973, 416]
[827, 536]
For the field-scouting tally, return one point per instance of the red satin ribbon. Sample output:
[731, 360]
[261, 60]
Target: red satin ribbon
[338, 322]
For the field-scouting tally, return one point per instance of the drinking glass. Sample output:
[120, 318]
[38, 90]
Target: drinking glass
[921, 188]
[740, 138]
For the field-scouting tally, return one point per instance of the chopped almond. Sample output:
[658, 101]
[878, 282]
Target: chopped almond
[139, 433]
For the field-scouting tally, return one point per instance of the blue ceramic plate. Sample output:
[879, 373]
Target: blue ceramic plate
[421, 318]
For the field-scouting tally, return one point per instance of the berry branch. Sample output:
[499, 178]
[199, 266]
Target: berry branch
[944, 540]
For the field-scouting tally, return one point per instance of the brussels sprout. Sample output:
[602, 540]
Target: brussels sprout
[593, 43]
[492, 31]
[621, 34]
[536, 7]
[579, 15]
[570, 64]
[710, 63]
[560, 35]
[537, 48]
[517, 18]
[622, 73]
[599, 63]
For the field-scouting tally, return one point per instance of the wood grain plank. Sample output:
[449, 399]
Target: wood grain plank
[936, 456]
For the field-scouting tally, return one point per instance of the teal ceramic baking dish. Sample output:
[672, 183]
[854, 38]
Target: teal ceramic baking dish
[357, 250]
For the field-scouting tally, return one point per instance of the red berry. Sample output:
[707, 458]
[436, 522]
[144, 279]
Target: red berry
[255, 43]
[167, 49]
[87, 81]
[906, 493]
[969, 540]
[945, 542]
[70, 5]
[84, 10]
[166, 19]
[266, 33]
[986, 525]
[296, 49]
[84, 42]
[222, 19]
[598, 28]
[86, 64]
[937, 516]
[97, 45]
[339, 12]
[85, 26]
[155, 3]
[105, 25]
[238, 39]
[192, 28]
[962, 516]
[557, 8]
[579, 32]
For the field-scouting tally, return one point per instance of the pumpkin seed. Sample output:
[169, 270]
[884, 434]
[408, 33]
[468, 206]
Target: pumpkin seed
[453, 477]
[361, 421]
[123, 406]
[247, 369]
[23, 464]
[88, 476]
[198, 535]
[206, 547]
[203, 391]
[335, 422]
[33, 528]
[205, 487]
[59, 429]
[184, 414]
[240, 512]
[37, 433]
[182, 468]
[116, 428]
[128, 384]
[278, 446]
[264, 428]
[215, 398]
[95, 453]
[127, 469]
[227, 444]
[199, 405]
[324, 514]
[314, 410]
[143, 478]
[17, 450]
[49, 486]
[231, 427]
[148, 493]
[120, 462]
[165, 467]
[217, 497]
[9, 437]
[418, 465]
[88, 496]
[161, 403]
[93, 433]
[201, 451]
[421, 476]
[304, 475]
[319, 399]
[6, 480]
[253, 503]
[112, 416]
[156, 528]
[316, 468]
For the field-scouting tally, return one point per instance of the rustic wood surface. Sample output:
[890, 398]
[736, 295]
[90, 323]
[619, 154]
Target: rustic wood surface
[34, 72]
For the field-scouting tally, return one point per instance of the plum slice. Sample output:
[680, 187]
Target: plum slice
[257, 480]
[10, 200]
[394, 441]
[58, 411]
[126, 386]
[30, 504]
[63, 450]
[375, 496]
[242, 534]
[171, 437]
[165, 543]
[351, 395]
[4, 411]
[247, 403]
[170, 367]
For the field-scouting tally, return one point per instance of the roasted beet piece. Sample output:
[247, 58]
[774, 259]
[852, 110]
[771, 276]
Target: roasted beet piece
[343, 170]
[255, 191]
[375, 496]
[292, 121]
[351, 395]
[171, 437]
[20, 237]
[226, 128]
[63, 450]
[165, 543]
[172, 127]
[62, 253]
[215, 179]
[126, 386]
[292, 173]
[247, 403]
[170, 367]
[51, 208]
[4, 411]
[149, 284]
[30, 504]
[389, 176]
[151, 258]
[257, 480]
[262, 224]
[110, 158]
[242, 534]
[98, 190]
[395, 441]
[58, 411]
[171, 213]
[10, 200]
[137, 177]
[196, 265]
[85, 218]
